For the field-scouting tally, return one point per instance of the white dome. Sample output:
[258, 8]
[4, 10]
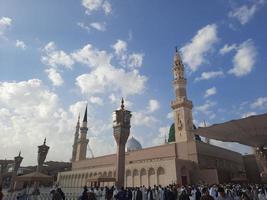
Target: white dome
[133, 144]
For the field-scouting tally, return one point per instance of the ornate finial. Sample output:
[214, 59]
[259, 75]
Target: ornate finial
[122, 103]
[44, 141]
[19, 153]
[79, 117]
[176, 49]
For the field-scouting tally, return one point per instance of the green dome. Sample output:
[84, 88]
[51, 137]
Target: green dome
[172, 134]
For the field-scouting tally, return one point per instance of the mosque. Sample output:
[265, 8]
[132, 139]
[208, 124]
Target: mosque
[184, 159]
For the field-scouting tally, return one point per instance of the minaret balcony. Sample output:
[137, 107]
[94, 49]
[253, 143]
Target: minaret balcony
[178, 103]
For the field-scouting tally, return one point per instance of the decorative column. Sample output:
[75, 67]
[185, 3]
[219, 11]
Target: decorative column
[17, 161]
[42, 153]
[121, 131]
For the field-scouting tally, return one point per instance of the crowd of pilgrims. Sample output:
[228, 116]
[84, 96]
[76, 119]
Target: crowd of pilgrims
[174, 192]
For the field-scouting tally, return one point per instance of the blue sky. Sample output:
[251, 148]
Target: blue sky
[57, 55]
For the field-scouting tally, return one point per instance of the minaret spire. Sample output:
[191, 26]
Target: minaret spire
[178, 67]
[122, 103]
[85, 115]
[82, 141]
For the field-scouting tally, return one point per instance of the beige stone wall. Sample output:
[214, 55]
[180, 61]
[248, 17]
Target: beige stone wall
[146, 172]
[163, 151]
[187, 151]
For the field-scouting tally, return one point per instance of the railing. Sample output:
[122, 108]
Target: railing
[42, 196]
[70, 194]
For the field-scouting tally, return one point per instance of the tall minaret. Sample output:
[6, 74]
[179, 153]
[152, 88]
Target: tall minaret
[82, 141]
[75, 143]
[121, 131]
[182, 107]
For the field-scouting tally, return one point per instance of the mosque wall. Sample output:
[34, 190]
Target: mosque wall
[146, 172]
[252, 168]
[107, 160]
[163, 151]
[205, 176]
[161, 165]
[187, 151]
[229, 164]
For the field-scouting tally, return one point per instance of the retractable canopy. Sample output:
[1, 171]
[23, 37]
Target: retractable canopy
[251, 131]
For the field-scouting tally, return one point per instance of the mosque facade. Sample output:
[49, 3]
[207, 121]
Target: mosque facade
[182, 160]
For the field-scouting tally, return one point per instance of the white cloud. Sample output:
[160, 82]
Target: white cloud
[206, 109]
[30, 107]
[99, 26]
[227, 48]
[163, 134]
[245, 13]
[112, 98]
[153, 105]
[29, 113]
[83, 26]
[91, 56]
[54, 76]
[248, 114]
[120, 47]
[170, 115]
[78, 108]
[244, 59]
[105, 77]
[54, 58]
[260, 103]
[107, 7]
[94, 5]
[5, 23]
[20, 44]
[142, 119]
[110, 79]
[107, 147]
[96, 100]
[209, 75]
[135, 60]
[194, 53]
[209, 92]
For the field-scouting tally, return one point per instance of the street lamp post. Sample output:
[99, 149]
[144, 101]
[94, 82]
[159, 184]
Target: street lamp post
[121, 128]
[18, 159]
[42, 153]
